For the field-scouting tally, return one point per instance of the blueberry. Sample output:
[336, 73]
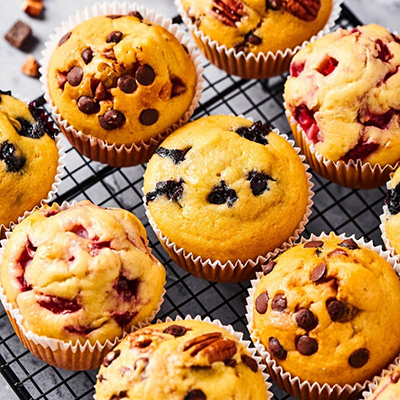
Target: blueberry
[393, 200]
[8, 154]
[259, 182]
[255, 133]
[176, 155]
[222, 194]
[172, 189]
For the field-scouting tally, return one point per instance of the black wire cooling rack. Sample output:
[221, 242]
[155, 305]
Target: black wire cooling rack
[336, 209]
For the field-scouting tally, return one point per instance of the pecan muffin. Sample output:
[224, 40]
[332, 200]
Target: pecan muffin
[388, 388]
[343, 92]
[327, 311]
[81, 274]
[182, 360]
[391, 219]
[121, 78]
[221, 182]
[259, 26]
[28, 157]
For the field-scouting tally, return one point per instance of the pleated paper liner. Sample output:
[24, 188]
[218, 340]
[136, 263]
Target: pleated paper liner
[235, 270]
[251, 66]
[238, 336]
[351, 174]
[122, 155]
[296, 387]
[71, 355]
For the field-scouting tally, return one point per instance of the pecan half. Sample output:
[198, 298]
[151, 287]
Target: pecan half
[306, 10]
[229, 12]
[199, 342]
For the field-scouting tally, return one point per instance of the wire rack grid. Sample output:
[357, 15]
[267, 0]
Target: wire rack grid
[336, 209]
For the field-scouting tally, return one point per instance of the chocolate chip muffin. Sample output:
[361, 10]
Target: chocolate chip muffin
[121, 78]
[28, 157]
[327, 311]
[182, 360]
[81, 274]
[391, 219]
[259, 26]
[225, 188]
[388, 388]
[343, 91]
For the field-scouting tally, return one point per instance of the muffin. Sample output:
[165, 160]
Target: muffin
[28, 158]
[391, 216]
[312, 319]
[83, 274]
[180, 360]
[121, 80]
[388, 388]
[257, 38]
[226, 189]
[342, 100]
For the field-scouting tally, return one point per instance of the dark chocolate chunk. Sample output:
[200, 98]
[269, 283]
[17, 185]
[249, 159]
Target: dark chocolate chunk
[222, 194]
[259, 182]
[268, 268]
[359, 358]
[306, 346]
[87, 55]
[178, 87]
[149, 116]
[253, 39]
[195, 394]
[318, 274]
[175, 330]
[274, 4]
[349, 244]
[114, 16]
[135, 14]
[19, 33]
[276, 349]
[64, 38]
[279, 303]
[336, 309]
[262, 303]
[8, 154]
[145, 75]
[337, 252]
[241, 46]
[127, 83]
[111, 357]
[250, 362]
[230, 363]
[314, 244]
[176, 155]
[101, 92]
[172, 189]
[75, 76]
[395, 377]
[114, 37]
[306, 319]
[88, 105]
[112, 119]
[256, 133]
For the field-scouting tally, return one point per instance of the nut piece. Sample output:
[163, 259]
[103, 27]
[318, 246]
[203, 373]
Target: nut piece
[31, 67]
[19, 33]
[306, 10]
[229, 12]
[33, 7]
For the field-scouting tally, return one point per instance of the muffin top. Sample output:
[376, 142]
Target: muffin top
[84, 273]
[28, 157]
[183, 360]
[327, 311]
[121, 79]
[344, 90]
[259, 26]
[388, 388]
[226, 188]
[392, 218]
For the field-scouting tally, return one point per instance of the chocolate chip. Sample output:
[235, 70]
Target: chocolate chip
[395, 377]
[19, 33]
[75, 76]
[241, 46]
[262, 303]
[114, 16]
[88, 105]
[114, 37]
[274, 4]
[230, 363]
[306, 346]
[135, 14]
[250, 362]
[175, 330]
[195, 394]
[253, 39]
[318, 273]
[145, 75]
[149, 116]
[120, 395]
[127, 83]
[314, 244]
[337, 252]
[222, 194]
[359, 358]
[349, 244]
[111, 357]
[279, 303]
[87, 55]
[143, 343]
[8, 154]
[268, 268]
[305, 319]
[276, 349]
[112, 119]
[178, 87]
[64, 38]
[100, 92]
[336, 309]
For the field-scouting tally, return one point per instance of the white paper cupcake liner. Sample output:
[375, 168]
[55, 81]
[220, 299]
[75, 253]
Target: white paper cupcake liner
[296, 387]
[352, 174]
[96, 149]
[230, 271]
[251, 65]
[72, 355]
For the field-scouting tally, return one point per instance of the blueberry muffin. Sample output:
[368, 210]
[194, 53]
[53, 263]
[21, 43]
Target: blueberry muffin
[343, 90]
[82, 274]
[28, 157]
[121, 79]
[259, 26]
[327, 311]
[392, 217]
[224, 188]
[183, 360]
[389, 387]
